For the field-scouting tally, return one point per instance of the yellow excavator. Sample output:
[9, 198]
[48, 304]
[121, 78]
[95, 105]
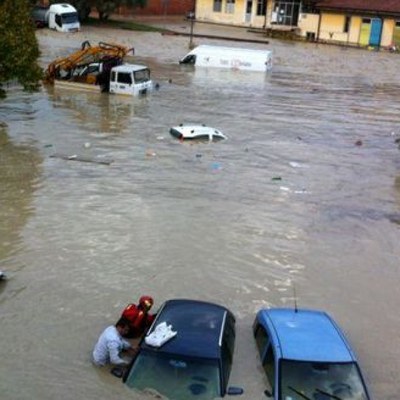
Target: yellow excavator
[77, 66]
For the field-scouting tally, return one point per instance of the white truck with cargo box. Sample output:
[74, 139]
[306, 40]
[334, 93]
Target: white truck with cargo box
[229, 57]
[62, 17]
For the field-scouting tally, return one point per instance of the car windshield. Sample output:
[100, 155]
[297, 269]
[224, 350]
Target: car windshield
[70, 18]
[143, 75]
[321, 381]
[176, 378]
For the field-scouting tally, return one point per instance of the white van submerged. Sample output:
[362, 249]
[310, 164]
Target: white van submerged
[229, 57]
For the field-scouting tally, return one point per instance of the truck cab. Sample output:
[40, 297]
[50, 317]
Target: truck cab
[63, 18]
[130, 79]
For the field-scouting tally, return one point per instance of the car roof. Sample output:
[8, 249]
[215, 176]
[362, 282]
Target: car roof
[306, 335]
[199, 326]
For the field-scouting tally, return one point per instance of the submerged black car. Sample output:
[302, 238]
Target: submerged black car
[196, 362]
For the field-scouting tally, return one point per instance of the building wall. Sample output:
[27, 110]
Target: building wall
[331, 28]
[308, 23]
[204, 12]
[387, 32]
[355, 28]
[159, 7]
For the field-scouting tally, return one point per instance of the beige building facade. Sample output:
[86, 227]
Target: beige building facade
[352, 30]
[341, 25]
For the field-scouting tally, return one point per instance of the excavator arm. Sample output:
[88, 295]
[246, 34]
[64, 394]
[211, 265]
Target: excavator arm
[64, 66]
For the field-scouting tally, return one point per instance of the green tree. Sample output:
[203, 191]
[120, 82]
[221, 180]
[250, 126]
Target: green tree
[19, 48]
[106, 7]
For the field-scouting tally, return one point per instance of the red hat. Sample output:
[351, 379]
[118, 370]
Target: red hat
[146, 299]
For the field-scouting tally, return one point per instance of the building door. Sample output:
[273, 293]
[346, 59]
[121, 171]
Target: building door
[365, 32]
[249, 8]
[285, 12]
[396, 34]
[376, 32]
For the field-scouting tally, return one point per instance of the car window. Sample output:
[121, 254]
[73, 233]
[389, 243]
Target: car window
[269, 366]
[142, 75]
[124, 77]
[261, 339]
[321, 380]
[178, 378]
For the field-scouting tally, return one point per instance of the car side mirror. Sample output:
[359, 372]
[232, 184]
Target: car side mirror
[234, 391]
[267, 393]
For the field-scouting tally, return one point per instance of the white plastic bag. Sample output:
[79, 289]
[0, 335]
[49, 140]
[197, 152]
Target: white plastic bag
[161, 334]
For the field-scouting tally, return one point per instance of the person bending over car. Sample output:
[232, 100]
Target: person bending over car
[111, 343]
[139, 317]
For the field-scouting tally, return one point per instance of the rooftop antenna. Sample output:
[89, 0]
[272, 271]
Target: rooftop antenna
[295, 298]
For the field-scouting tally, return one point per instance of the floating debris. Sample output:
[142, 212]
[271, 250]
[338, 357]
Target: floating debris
[75, 157]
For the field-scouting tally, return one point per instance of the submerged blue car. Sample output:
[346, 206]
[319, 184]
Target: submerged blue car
[194, 363]
[306, 356]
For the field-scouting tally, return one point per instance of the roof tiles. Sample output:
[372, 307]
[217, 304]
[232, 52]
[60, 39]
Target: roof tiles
[386, 6]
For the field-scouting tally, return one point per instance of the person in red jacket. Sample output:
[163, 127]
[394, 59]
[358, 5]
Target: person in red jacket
[139, 317]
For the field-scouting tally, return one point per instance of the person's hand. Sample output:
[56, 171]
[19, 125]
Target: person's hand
[133, 351]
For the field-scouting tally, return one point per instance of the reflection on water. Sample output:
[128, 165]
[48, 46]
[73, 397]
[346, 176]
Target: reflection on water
[302, 195]
[98, 111]
[20, 168]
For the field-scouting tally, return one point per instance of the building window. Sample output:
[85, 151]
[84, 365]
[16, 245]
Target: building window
[346, 26]
[217, 6]
[261, 7]
[309, 7]
[286, 12]
[230, 6]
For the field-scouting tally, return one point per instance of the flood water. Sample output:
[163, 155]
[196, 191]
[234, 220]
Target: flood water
[303, 197]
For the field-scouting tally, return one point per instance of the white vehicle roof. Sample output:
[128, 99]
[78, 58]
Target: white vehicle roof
[129, 68]
[62, 8]
[196, 132]
[205, 48]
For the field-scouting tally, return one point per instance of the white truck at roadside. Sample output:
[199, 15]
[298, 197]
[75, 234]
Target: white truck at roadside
[229, 57]
[61, 17]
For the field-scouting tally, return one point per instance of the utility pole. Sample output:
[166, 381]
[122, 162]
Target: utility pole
[191, 17]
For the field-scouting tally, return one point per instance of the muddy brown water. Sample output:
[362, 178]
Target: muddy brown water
[305, 193]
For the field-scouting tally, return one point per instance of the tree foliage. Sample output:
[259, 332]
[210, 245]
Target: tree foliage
[19, 48]
[106, 7]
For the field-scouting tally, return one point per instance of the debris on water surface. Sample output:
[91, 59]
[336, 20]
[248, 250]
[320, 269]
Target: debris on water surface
[150, 153]
[76, 157]
[215, 166]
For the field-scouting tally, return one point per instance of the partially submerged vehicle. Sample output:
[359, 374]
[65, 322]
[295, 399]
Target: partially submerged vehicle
[197, 132]
[100, 68]
[229, 57]
[61, 17]
[305, 355]
[194, 360]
